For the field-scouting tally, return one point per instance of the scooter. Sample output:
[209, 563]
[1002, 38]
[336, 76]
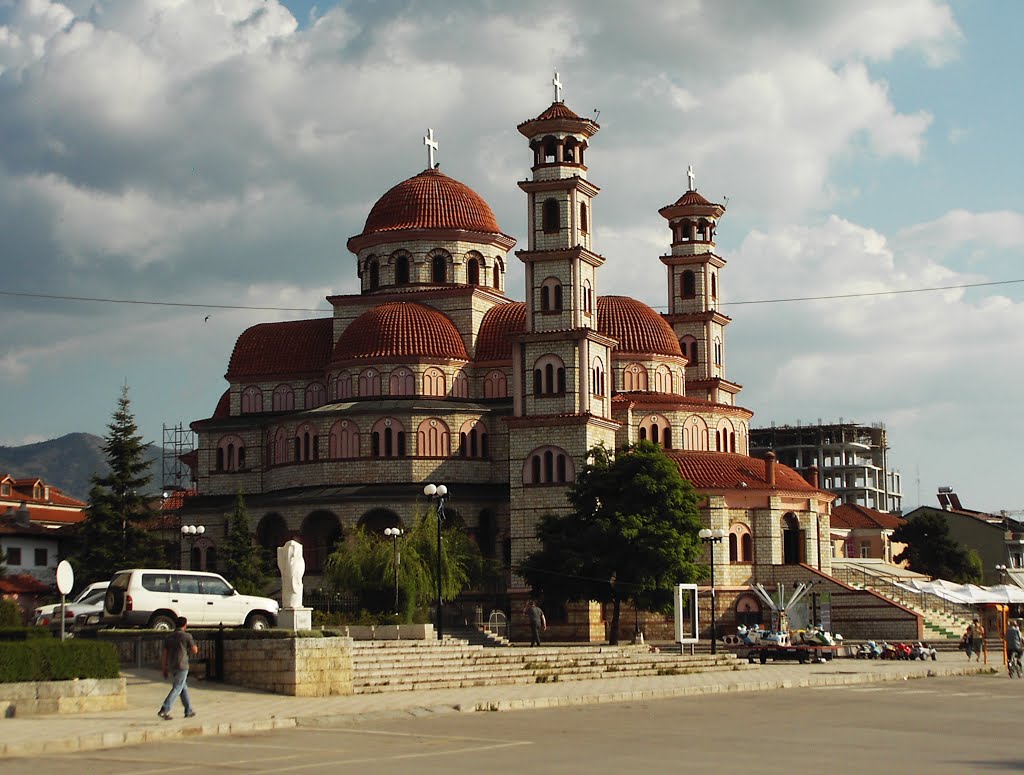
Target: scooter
[923, 651]
[869, 650]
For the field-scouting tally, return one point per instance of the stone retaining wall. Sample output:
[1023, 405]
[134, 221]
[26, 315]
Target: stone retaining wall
[299, 667]
[82, 695]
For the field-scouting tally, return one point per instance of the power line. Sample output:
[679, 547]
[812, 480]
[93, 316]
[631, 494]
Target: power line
[192, 305]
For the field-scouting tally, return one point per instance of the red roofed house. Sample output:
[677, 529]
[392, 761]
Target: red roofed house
[430, 373]
[863, 533]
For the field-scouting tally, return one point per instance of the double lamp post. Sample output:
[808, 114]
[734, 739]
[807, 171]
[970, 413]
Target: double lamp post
[438, 491]
[712, 537]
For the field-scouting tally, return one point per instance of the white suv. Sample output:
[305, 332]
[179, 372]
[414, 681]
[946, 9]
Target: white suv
[155, 598]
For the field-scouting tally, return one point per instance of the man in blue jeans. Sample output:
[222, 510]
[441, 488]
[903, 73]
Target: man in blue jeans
[174, 660]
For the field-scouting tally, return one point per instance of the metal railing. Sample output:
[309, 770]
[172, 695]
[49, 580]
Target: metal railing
[920, 601]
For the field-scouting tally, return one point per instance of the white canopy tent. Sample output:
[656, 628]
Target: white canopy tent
[967, 594]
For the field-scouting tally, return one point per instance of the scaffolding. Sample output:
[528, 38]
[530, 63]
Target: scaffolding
[175, 475]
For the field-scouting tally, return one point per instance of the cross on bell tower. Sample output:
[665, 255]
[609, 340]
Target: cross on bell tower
[558, 87]
[431, 143]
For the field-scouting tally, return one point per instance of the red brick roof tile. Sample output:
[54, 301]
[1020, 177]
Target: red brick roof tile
[288, 349]
[649, 397]
[400, 329]
[853, 516]
[726, 470]
[497, 331]
[637, 327]
[223, 406]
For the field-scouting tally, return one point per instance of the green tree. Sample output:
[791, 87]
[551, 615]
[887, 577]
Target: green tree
[930, 550]
[114, 535]
[241, 557]
[632, 534]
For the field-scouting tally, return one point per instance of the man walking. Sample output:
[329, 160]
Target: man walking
[174, 660]
[1014, 643]
[537, 621]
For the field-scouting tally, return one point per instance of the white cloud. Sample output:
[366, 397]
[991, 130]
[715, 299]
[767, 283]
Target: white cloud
[957, 228]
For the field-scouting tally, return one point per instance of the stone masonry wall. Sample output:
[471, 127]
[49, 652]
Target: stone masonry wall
[299, 667]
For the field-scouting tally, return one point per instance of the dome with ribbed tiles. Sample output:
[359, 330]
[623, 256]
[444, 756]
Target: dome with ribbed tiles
[400, 329]
[637, 327]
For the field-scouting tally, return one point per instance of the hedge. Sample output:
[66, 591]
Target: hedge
[24, 633]
[51, 660]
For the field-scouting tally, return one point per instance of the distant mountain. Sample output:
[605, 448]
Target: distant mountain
[68, 463]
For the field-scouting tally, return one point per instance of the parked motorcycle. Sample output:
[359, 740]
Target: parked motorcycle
[869, 650]
[923, 651]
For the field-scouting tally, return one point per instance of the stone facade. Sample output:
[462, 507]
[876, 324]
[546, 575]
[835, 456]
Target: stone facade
[298, 667]
[82, 695]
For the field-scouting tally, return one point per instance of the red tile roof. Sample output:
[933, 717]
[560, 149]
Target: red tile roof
[852, 516]
[400, 329]
[726, 470]
[22, 584]
[176, 499]
[637, 327]
[649, 397]
[431, 200]
[223, 406]
[289, 349]
[692, 198]
[497, 331]
[21, 490]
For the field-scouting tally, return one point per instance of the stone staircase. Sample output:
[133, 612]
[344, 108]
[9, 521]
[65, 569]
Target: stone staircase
[388, 666]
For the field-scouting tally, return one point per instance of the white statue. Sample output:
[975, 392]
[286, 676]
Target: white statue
[292, 567]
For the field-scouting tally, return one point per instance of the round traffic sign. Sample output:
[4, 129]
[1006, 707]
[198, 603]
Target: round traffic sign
[65, 577]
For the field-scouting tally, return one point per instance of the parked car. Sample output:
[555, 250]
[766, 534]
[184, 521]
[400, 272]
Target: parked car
[147, 597]
[89, 600]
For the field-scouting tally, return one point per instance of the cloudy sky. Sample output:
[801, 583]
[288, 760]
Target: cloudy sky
[220, 152]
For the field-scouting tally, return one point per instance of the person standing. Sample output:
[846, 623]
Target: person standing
[174, 661]
[537, 621]
[975, 640]
[1014, 643]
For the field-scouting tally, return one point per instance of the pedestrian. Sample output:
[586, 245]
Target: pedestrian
[537, 621]
[975, 640]
[1014, 642]
[174, 661]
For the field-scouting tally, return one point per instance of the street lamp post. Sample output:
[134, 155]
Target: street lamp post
[191, 532]
[439, 491]
[393, 533]
[712, 537]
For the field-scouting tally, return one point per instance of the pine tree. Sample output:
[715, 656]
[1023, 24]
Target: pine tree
[113, 534]
[242, 558]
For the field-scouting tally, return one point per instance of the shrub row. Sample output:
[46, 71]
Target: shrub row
[24, 633]
[38, 659]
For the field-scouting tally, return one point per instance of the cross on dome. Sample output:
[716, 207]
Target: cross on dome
[431, 143]
[558, 87]
[690, 177]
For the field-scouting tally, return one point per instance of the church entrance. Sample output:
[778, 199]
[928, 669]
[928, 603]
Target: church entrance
[792, 540]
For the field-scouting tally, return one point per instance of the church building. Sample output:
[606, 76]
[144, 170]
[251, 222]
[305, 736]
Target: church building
[432, 374]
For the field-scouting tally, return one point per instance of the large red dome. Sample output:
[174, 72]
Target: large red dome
[400, 330]
[638, 328]
[431, 200]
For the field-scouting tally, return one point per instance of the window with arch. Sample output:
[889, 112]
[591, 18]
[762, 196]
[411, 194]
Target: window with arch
[342, 386]
[279, 448]
[584, 224]
[307, 443]
[634, 377]
[496, 279]
[656, 428]
[434, 383]
[548, 376]
[283, 399]
[473, 440]
[344, 441]
[551, 295]
[496, 385]
[369, 382]
[402, 382]
[688, 285]
[725, 437]
[688, 345]
[550, 150]
[252, 400]
[373, 267]
[696, 434]
[402, 273]
[569, 146]
[597, 378]
[588, 298]
[316, 395]
[663, 379]
[439, 269]
[718, 352]
[460, 385]
[550, 216]
[230, 454]
[548, 465]
[473, 271]
[433, 439]
[714, 286]
[387, 438]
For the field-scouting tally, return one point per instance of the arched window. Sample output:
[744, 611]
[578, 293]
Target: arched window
[597, 377]
[252, 400]
[439, 269]
[283, 399]
[584, 226]
[740, 543]
[569, 150]
[689, 285]
[402, 382]
[726, 437]
[401, 269]
[343, 387]
[792, 540]
[551, 295]
[433, 439]
[718, 352]
[696, 434]
[374, 266]
[434, 383]
[387, 438]
[344, 440]
[496, 280]
[496, 385]
[548, 465]
[550, 146]
[550, 218]
[369, 383]
[473, 272]
[714, 286]
[656, 428]
[279, 452]
[473, 440]
[230, 454]
[315, 395]
[307, 443]
[688, 345]
[549, 376]
[460, 385]
[321, 533]
[663, 379]
[588, 298]
[634, 377]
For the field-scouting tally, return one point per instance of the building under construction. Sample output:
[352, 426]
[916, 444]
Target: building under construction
[852, 460]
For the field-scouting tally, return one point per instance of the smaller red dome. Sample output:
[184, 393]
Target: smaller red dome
[637, 327]
[499, 326]
[400, 329]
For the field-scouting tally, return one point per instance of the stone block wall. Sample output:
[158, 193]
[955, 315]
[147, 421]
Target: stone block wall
[298, 667]
[83, 695]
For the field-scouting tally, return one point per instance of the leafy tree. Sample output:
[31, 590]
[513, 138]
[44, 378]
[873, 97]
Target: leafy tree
[241, 557]
[632, 534]
[365, 565]
[931, 551]
[113, 534]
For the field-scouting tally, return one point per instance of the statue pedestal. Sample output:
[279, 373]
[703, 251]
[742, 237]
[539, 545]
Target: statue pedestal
[295, 619]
